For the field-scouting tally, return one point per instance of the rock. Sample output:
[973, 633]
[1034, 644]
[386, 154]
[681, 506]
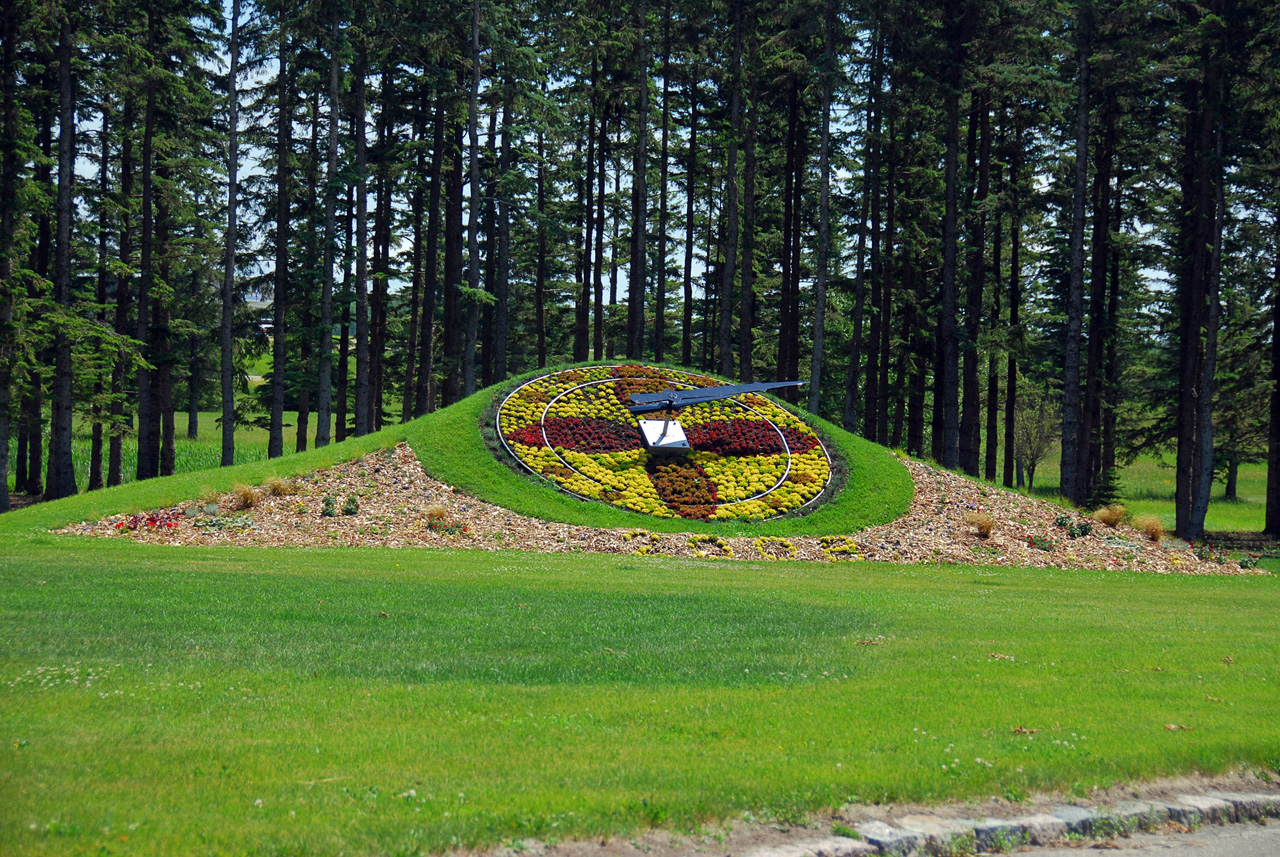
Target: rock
[891, 841]
[1077, 818]
[1140, 815]
[999, 835]
[1250, 807]
[1041, 829]
[941, 835]
[834, 846]
[1211, 810]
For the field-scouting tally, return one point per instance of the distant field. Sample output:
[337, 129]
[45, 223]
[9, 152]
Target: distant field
[1148, 485]
[189, 455]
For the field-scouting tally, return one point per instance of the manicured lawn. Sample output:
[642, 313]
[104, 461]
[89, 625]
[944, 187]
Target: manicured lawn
[183, 700]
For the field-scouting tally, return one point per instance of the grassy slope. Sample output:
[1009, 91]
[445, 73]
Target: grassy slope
[153, 493]
[258, 701]
[450, 446]
[878, 488]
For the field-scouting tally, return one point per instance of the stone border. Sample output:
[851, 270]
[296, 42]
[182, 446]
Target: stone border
[913, 835]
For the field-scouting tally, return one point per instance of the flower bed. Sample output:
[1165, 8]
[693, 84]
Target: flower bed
[751, 459]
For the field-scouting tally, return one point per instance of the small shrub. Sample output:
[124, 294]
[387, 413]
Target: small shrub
[1080, 530]
[1151, 526]
[352, 506]
[436, 511]
[1063, 521]
[1041, 543]
[1110, 515]
[1250, 561]
[1107, 491]
[246, 496]
[274, 486]
[982, 522]
[329, 507]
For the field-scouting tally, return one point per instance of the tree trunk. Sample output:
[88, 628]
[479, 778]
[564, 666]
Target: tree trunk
[540, 266]
[746, 325]
[582, 309]
[280, 299]
[971, 415]
[1070, 486]
[993, 361]
[324, 392]
[1200, 242]
[361, 249]
[426, 337]
[1089, 449]
[686, 333]
[9, 29]
[147, 465]
[785, 344]
[416, 202]
[119, 421]
[100, 299]
[227, 369]
[61, 481]
[850, 416]
[871, 405]
[660, 278]
[888, 263]
[1111, 388]
[639, 196]
[1015, 300]
[503, 275]
[489, 229]
[473, 209]
[824, 211]
[602, 151]
[1204, 391]
[344, 335]
[451, 324]
[730, 242]
[949, 345]
[1272, 527]
[161, 319]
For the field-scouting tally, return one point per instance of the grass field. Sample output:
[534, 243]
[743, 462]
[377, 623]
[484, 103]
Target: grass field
[1148, 484]
[178, 700]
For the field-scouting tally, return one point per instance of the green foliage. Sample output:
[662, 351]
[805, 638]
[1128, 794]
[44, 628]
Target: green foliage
[1107, 490]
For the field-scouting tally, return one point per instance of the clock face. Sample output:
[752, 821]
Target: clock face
[749, 458]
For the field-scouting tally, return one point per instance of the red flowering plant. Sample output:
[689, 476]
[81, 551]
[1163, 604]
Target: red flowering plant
[165, 519]
[750, 459]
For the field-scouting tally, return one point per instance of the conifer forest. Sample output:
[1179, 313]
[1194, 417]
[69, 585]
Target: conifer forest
[979, 229]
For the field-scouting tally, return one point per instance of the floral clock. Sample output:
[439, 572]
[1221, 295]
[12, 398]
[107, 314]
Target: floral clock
[750, 458]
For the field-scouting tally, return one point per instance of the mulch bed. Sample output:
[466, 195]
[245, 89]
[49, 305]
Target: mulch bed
[394, 497]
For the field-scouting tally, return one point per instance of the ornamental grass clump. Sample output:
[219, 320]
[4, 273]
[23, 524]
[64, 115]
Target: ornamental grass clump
[1110, 515]
[274, 486]
[1151, 526]
[982, 522]
[435, 511]
[246, 496]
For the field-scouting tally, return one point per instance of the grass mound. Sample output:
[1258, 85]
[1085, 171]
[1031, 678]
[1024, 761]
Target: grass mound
[451, 444]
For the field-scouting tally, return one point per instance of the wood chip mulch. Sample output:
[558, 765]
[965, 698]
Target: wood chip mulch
[395, 498]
